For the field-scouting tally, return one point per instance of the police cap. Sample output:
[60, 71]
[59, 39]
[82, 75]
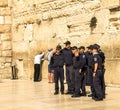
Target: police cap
[74, 48]
[58, 47]
[67, 42]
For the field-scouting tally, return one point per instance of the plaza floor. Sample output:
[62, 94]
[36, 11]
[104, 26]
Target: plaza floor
[29, 95]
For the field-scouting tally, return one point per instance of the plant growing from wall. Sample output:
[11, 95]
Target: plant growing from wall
[93, 23]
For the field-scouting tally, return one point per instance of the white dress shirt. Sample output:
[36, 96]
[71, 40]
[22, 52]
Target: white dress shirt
[38, 58]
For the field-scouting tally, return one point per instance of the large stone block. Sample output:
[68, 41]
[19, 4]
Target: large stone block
[20, 46]
[102, 20]
[7, 64]
[7, 53]
[5, 28]
[6, 36]
[8, 20]
[109, 3]
[6, 45]
[8, 59]
[3, 3]
[5, 11]
[2, 59]
[112, 71]
[1, 19]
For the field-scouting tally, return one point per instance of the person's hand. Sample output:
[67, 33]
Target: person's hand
[94, 74]
[80, 71]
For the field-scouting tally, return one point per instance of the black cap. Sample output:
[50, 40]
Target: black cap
[74, 47]
[98, 46]
[95, 47]
[67, 42]
[81, 47]
[58, 47]
[90, 47]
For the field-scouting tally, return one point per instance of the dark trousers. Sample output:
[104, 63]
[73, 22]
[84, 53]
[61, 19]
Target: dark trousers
[59, 75]
[79, 82]
[36, 72]
[70, 78]
[98, 85]
[90, 79]
[103, 82]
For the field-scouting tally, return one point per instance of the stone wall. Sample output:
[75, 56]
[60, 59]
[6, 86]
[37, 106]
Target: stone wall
[5, 39]
[40, 24]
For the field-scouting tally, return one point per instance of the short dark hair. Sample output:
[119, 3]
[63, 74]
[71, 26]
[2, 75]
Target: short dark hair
[67, 42]
[81, 47]
[74, 47]
[58, 47]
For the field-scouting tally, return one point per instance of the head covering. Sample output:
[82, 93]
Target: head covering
[58, 47]
[81, 47]
[98, 46]
[90, 47]
[74, 47]
[95, 47]
[67, 42]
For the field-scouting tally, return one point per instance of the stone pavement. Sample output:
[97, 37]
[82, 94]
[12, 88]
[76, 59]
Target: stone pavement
[29, 95]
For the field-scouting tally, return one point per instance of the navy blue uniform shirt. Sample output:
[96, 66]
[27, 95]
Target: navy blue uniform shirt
[82, 61]
[97, 59]
[68, 56]
[57, 60]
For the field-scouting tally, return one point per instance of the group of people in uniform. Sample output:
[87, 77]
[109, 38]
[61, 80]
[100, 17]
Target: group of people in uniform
[81, 68]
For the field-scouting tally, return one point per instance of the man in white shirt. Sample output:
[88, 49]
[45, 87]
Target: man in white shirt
[37, 61]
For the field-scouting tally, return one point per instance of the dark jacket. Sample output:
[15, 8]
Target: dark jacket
[68, 56]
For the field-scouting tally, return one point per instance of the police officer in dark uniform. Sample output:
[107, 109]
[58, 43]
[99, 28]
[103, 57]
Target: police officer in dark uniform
[76, 69]
[57, 63]
[68, 57]
[102, 55]
[89, 73]
[83, 69]
[97, 75]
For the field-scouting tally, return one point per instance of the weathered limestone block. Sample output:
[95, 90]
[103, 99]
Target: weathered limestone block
[6, 45]
[7, 64]
[20, 55]
[18, 33]
[7, 72]
[102, 20]
[2, 59]
[5, 11]
[20, 46]
[8, 59]
[10, 3]
[8, 20]
[6, 36]
[5, 28]
[7, 53]
[1, 45]
[0, 53]
[112, 71]
[110, 3]
[3, 3]
[90, 5]
[1, 19]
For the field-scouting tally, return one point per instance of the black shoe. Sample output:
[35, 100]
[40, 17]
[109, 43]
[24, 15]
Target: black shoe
[62, 92]
[75, 95]
[55, 93]
[90, 95]
[83, 94]
[97, 99]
